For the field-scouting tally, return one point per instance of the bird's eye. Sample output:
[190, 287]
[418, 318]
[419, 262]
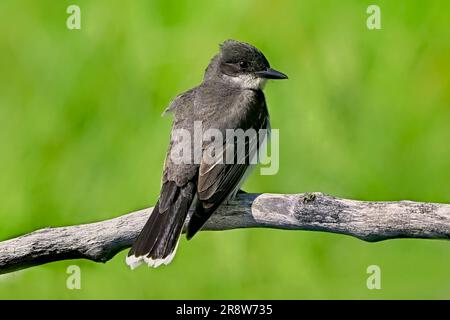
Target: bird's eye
[243, 64]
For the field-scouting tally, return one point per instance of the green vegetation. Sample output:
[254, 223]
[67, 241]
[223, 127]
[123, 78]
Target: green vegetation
[365, 115]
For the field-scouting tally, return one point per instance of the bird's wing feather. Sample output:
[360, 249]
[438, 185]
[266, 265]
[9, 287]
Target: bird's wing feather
[183, 109]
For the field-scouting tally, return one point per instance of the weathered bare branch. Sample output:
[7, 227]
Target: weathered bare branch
[366, 220]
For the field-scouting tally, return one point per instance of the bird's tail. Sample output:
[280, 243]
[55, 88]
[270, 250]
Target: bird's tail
[158, 240]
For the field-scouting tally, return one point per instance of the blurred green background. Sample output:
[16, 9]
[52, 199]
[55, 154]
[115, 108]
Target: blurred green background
[365, 115]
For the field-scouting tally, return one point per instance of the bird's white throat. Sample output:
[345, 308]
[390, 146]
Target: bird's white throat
[248, 81]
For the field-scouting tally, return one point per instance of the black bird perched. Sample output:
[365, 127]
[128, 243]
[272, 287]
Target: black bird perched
[230, 97]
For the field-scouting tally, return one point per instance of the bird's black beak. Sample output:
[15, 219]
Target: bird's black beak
[271, 74]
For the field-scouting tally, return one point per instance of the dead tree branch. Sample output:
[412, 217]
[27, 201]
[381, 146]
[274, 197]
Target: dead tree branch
[366, 220]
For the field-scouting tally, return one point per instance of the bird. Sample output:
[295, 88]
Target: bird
[230, 97]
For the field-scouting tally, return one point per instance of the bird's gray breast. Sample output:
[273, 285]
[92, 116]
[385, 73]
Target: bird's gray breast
[224, 107]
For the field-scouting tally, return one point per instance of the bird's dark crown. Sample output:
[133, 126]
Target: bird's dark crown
[241, 64]
[240, 57]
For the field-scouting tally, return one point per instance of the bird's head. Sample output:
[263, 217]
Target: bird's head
[244, 65]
